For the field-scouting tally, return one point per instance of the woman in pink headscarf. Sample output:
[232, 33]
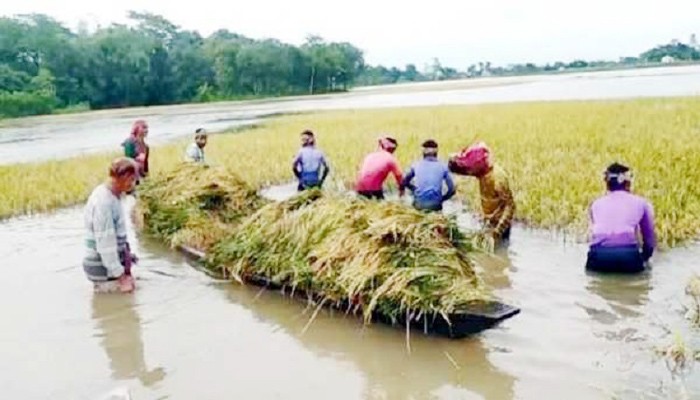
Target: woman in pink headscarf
[497, 203]
[136, 148]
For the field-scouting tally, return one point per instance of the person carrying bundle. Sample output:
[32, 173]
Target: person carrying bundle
[429, 174]
[310, 166]
[497, 204]
[375, 169]
[615, 220]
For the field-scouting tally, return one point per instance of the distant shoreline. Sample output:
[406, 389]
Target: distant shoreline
[408, 86]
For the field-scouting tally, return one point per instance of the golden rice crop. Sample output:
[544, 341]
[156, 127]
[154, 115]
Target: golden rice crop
[194, 205]
[36, 187]
[555, 153]
[383, 256]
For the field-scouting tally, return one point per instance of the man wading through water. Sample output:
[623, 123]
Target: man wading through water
[108, 258]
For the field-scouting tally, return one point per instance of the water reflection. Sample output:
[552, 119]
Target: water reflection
[119, 327]
[497, 267]
[433, 366]
[624, 294]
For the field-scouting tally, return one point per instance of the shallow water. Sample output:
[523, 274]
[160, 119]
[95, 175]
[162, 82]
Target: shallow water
[185, 335]
[50, 137]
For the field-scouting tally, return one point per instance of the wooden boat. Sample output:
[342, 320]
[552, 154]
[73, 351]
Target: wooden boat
[471, 319]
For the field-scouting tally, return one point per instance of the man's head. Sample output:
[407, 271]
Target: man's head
[200, 137]
[475, 160]
[123, 173]
[307, 138]
[388, 143]
[139, 129]
[430, 148]
[618, 177]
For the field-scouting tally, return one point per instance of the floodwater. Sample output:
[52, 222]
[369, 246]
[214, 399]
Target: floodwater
[186, 335]
[50, 137]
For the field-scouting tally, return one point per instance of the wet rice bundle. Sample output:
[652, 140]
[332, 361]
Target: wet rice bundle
[373, 256]
[194, 205]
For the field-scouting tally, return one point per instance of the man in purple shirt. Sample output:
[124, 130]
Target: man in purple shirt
[310, 166]
[615, 220]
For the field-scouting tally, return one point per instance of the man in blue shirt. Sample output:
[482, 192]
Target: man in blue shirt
[308, 163]
[429, 174]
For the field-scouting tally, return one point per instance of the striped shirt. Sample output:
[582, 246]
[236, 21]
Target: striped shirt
[105, 235]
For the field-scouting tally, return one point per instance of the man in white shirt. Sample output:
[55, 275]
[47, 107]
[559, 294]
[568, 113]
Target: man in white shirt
[195, 151]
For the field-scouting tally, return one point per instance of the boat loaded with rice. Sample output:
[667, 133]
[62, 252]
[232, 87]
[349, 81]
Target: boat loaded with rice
[382, 260]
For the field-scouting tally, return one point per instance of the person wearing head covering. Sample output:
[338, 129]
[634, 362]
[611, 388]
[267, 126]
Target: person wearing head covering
[135, 147]
[429, 175]
[376, 167]
[497, 204]
[108, 258]
[310, 165]
[195, 151]
[616, 219]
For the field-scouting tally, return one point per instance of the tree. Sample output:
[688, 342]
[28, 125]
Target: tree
[678, 51]
[411, 74]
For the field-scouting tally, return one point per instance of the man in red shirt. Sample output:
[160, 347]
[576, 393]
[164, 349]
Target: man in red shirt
[376, 167]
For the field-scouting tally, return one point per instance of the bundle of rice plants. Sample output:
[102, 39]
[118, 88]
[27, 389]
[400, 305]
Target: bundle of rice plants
[194, 205]
[375, 256]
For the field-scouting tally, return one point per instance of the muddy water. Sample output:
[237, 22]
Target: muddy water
[50, 137]
[185, 335]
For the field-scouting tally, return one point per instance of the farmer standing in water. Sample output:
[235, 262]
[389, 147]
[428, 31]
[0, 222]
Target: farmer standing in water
[497, 204]
[195, 151]
[135, 147]
[108, 258]
[616, 219]
[310, 165]
[375, 169]
[429, 174]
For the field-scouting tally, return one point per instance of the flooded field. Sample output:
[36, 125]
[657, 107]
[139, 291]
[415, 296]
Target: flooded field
[50, 137]
[186, 335]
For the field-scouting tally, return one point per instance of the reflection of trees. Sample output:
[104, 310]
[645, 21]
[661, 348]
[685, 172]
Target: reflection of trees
[380, 352]
[119, 327]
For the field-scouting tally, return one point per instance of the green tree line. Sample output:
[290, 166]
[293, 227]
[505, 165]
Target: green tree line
[151, 61]
[45, 66]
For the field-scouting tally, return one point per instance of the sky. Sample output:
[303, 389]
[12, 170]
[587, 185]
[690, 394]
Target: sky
[394, 33]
